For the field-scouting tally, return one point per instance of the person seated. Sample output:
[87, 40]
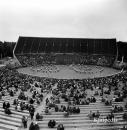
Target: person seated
[125, 116]
[15, 102]
[22, 96]
[103, 99]
[36, 126]
[60, 127]
[8, 105]
[66, 114]
[51, 123]
[87, 102]
[18, 108]
[64, 108]
[41, 96]
[38, 101]
[110, 116]
[47, 101]
[57, 101]
[118, 108]
[96, 93]
[90, 115]
[8, 111]
[26, 106]
[31, 108]
[56, 108]
[32, 126]
[50, 105]
[47, 111]
[38, 117]
[119, 99]
[4, 105]
[101, 93]
[107, 92]
[78, 110]
[23, 106]
[94, 99]
[108, 102]
[70, 109]
[11, 93]
[31, 101]
[3, 92]
[97, 114]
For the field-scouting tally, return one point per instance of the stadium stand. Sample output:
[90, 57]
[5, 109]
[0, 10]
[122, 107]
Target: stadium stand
[65, 51]
[33, 102]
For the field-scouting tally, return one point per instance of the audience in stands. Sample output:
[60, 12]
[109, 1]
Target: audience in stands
[93, 115]
[117, 108]
[41, 59]
[72, 91]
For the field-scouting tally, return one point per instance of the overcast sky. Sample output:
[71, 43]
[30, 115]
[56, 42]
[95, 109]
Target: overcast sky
[63, 18]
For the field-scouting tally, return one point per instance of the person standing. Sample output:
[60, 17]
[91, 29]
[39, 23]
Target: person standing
[24, 121]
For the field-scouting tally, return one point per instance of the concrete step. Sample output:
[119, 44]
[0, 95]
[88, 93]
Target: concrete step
[16, 112]
[78, 116]
[79, 121]
[12, 115]
[5, 117]
[4, 121]
[80, 125]
[8, 127]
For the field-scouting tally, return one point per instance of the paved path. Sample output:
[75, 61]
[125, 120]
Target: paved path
[42, 105]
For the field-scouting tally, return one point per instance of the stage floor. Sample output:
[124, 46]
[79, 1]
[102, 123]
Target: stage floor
[67, 72]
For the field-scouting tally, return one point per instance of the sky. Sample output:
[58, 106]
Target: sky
[63, 18]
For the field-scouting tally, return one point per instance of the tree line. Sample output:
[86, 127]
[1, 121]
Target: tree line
[6, 49]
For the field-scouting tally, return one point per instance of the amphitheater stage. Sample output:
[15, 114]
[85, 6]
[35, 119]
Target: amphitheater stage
[69, 72]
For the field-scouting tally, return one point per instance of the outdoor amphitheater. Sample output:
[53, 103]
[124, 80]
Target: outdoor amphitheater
[72, 83]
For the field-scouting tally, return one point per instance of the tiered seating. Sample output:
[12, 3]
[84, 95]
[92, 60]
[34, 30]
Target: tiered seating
[13, 121]
[81, 121]
[69, 88]
[75, 121]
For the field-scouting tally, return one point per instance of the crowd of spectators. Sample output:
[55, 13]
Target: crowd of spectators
[72, 91]
[40, 59]
[35, 60]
